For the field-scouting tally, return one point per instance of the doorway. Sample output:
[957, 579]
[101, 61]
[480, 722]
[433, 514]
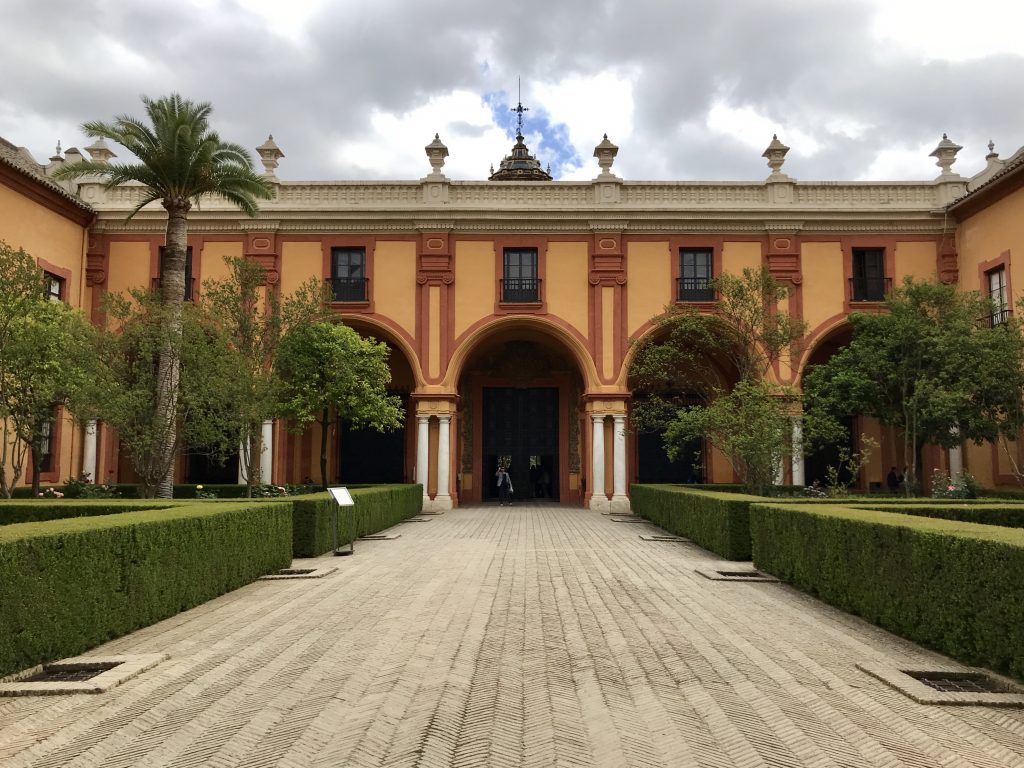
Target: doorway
[521, 428]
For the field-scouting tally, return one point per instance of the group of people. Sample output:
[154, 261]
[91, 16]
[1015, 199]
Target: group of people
[539, 476]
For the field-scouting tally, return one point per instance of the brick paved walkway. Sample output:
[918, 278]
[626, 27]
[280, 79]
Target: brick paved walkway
[510, 637]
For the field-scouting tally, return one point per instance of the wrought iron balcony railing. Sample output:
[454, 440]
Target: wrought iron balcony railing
[870, 288]
[347, 288]
[520, 290]
[695, 289]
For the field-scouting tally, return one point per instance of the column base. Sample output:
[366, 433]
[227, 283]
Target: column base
[620, 505]
[599, 503]
[438, 504]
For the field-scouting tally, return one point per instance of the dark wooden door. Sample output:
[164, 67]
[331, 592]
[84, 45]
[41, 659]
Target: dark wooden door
[521, 423]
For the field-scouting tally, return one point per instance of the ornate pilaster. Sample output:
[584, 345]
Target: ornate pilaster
[261, 247]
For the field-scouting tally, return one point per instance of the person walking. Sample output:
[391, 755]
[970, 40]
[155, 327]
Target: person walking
[504, 487]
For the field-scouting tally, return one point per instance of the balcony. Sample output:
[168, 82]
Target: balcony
[520, 290]
[999, 317]
[348, 288]
[695, 289]
[870, 288]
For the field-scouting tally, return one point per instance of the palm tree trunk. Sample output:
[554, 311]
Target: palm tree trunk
[172, 284]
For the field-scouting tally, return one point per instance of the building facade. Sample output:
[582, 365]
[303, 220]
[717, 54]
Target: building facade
[512, 305]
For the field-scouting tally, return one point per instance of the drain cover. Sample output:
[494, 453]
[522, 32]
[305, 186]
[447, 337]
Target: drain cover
[724, 573]
[380, 537]
[972, 687]
[416, 520]
[299, 573]
[963, 682]
[663, 538]
[628, 520]
[70, 673]
[295, 571]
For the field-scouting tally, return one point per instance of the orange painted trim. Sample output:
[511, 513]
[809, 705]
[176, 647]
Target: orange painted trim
[470, 339]
[61, 272]
[1002, 260]
[38, 193]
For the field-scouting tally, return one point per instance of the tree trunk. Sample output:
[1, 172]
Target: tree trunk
[37, 464]
[323, 449]
[172, 285]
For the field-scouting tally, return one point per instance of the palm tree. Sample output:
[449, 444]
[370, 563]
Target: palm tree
[180, 160]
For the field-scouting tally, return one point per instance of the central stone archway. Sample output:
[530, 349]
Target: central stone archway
[520, 390]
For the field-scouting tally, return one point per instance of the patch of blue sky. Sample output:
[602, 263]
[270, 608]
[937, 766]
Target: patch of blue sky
[554, 146]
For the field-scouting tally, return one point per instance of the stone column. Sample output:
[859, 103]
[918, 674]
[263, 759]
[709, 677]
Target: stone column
[422, 454]
[267, 455]
[443, 500]
[956, 462]
[798, 452]
[242, 448]
[620, 501]
[89, 451]
[598, 499]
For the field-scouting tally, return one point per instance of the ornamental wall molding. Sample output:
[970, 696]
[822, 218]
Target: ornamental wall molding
[299, 197]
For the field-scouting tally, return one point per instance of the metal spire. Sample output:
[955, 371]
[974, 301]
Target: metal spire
[519, 109]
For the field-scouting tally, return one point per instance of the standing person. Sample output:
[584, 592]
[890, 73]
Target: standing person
[504, 487]
[893, 481]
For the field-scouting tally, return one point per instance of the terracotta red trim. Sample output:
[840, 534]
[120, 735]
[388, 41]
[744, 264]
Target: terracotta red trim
[470, 339]
[39, 193]
[62, 272]
[814, 339]
[989, 194]
[540, 243]
[369, 244]
[385, 328]
[1002, 260]
[53, 475]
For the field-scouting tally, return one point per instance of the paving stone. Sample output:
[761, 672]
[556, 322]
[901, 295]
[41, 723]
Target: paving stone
[523, 636]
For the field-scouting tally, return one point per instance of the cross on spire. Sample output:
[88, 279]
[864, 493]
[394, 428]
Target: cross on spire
[519, 109]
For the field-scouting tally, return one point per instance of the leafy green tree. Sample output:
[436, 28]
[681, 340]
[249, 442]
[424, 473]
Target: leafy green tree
[42, 344]
[123, 377]
[746, 335]
[252, 319]
[180, 160]
[932, 366]
[328, 368]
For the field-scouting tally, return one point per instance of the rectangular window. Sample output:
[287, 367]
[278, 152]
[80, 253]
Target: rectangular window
[188, 272]
[695, 275]
[54, 287]
[996, 287]
[46, 446]
[520, 283]
[348, 274]
[869, 282]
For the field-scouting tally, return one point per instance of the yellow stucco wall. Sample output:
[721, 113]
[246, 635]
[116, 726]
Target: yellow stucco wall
[648, 282]
[474, 286]
[916, 260]
[129, 266]
[44, 234]
[394, 282]
[987, 235]
[823, 287]
[299, 262]
[565, 284]
[214, 266]
[739, 256]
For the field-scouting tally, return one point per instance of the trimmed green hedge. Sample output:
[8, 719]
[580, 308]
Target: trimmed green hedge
[949, 585]
[39, 510]
[985, 514]
[69, 585]
[714, 520]
[376, 508]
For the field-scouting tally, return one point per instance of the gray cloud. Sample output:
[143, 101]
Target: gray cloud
[809, 66]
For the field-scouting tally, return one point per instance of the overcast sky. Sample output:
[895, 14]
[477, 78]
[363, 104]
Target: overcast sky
[688, 89]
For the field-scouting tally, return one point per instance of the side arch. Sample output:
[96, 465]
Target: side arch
[394, 336]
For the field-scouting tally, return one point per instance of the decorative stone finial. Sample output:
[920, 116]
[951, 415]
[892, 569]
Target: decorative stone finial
[99, 152]
[945, 155]
[270, 153]
[991, 150]
[605, 152]
[57, 156]
[776, 156]
[436, 153]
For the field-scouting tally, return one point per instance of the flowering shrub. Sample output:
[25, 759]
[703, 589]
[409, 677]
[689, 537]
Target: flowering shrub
[201, 494]
[945, 487]
[50, 493]
[268, 491]
[82, 488]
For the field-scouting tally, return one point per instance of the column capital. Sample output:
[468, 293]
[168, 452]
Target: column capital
[444, 417]
[422, 418]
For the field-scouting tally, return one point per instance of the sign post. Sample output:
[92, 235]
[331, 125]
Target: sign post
[344, 499]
